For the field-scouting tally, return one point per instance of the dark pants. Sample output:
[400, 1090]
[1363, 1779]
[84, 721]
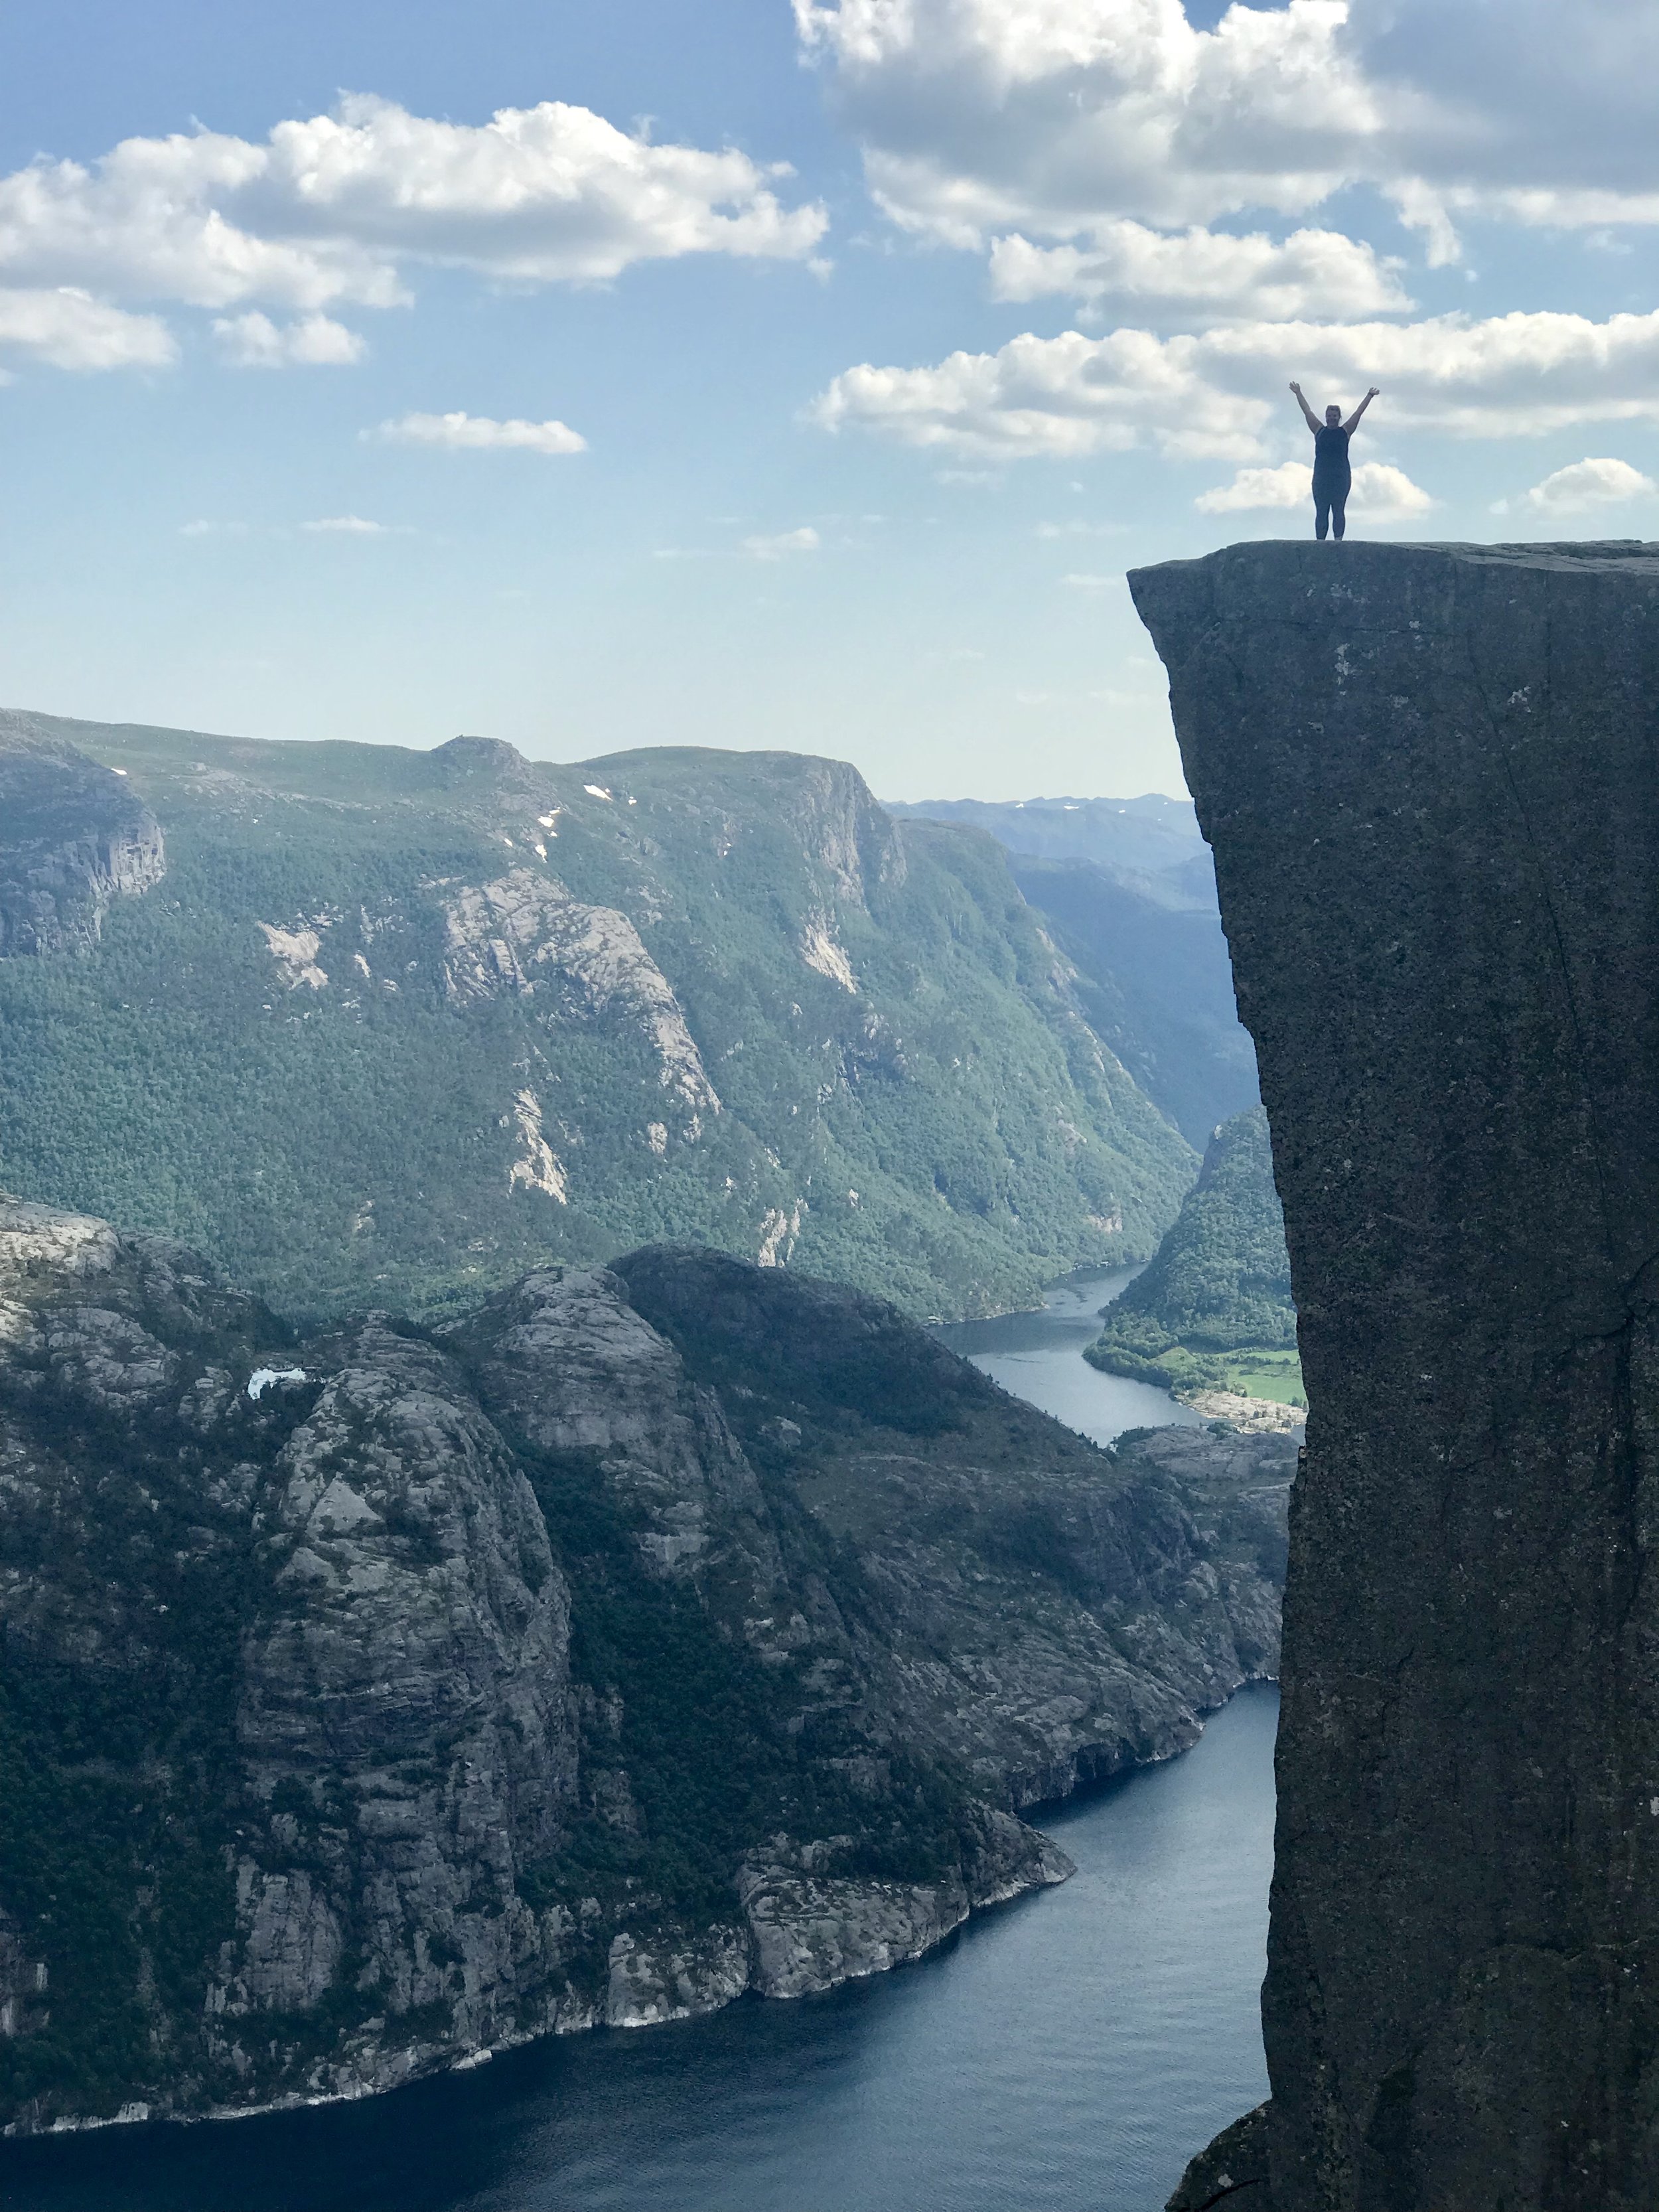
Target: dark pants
[1330, 503]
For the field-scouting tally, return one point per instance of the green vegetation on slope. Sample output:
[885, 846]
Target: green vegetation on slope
[124, 1781]
[1154, 980]
[395, 1026]
[1213, 1309]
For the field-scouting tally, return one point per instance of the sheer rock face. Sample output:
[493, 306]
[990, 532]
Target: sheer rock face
[1430, 778]
[379, 1697]
[73, 836]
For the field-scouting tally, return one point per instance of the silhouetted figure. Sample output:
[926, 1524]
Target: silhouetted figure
[1333, 478]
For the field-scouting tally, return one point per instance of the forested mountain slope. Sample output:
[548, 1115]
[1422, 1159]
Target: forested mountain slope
[1126, 891]
[1217, 1297]
[1155, 981]
[393, 1026]
[382, 1694]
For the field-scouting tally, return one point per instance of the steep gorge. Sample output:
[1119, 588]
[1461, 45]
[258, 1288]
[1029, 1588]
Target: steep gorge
[1430, 778]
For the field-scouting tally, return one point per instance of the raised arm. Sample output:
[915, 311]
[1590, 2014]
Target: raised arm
[1352, 422]
[1308, 415]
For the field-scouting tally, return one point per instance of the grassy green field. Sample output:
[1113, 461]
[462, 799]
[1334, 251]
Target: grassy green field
[1258, 1374]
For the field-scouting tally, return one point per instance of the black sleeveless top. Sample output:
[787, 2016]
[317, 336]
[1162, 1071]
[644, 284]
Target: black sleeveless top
[1331, 454]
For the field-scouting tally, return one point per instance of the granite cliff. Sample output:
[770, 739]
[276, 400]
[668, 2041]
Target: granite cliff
[1429, 776]
[75, 836]
[378, 1697]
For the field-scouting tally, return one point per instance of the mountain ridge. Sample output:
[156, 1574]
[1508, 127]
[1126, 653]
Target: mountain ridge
[398, 1023]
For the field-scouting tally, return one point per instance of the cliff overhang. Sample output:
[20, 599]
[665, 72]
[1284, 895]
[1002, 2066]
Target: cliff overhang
[1430, 778]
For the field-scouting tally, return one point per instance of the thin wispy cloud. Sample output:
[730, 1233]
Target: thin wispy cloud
[480, 434]
[352, 525]
[783, 545]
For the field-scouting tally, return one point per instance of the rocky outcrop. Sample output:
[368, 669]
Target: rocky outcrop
[1428, 777]
[379, 1698]
[1233, 2170]
[525, 934]
[73, 836]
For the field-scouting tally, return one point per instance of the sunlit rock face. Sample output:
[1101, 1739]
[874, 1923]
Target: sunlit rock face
[73, 836]
[1429, 777]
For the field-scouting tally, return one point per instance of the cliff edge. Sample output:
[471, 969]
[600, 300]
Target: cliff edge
[376, 1697]
[73, 836]
[1430, 778]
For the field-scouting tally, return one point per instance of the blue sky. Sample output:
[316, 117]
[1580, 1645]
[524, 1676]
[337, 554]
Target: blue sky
[850, 459]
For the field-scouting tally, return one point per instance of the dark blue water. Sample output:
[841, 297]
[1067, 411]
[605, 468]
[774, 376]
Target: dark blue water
[1068, 2051]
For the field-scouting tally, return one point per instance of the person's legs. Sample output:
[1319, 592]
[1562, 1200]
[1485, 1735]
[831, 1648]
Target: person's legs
[1321, 515]
[1339, 515]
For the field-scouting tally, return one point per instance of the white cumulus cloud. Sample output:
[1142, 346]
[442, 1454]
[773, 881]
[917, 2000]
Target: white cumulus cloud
[805, 540]
[1209, 271]
[978, 116]
[1216, 393]
[481, 433]
[1589, 483]
[1381, 493]
[67, 328]
[338, 209]
[348, 525]
[1070, 395]
[253, 341]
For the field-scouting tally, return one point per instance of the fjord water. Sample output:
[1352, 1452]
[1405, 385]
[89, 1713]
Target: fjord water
[1070, 2049]
[1039, 1357]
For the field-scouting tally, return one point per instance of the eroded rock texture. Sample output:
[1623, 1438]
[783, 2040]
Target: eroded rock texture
[73, 836]
[376, 1698]
[1430, 778]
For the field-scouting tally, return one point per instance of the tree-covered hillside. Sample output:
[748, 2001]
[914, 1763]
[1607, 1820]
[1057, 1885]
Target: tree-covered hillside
[1213, 1309]
[1154, 980]
[393, 1026]
[1126, 892]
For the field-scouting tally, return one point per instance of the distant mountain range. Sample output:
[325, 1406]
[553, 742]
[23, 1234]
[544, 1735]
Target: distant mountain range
[382, 1028]
[1153, 837]
[1127, 890]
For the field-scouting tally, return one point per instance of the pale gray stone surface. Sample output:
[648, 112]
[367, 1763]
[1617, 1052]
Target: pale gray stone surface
[73, 836]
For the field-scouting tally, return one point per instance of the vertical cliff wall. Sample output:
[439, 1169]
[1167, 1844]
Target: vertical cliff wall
[1430, 778]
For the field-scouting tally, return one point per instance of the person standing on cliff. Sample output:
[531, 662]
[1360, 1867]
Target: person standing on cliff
[1333, 478]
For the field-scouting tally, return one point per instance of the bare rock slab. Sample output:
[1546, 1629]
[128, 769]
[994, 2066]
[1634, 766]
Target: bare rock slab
[1430, 778]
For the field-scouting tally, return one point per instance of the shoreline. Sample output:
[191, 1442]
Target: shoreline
[436, 2061]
